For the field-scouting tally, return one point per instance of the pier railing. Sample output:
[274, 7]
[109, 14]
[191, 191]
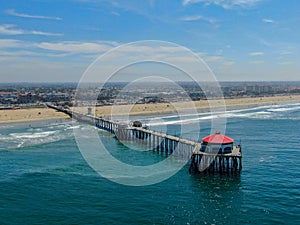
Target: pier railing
[180, 148]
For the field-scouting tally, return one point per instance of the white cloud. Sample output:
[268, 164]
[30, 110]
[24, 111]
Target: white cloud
[201, 54]
[228, 63]
[265, 42]
[198, 17]
[286, 63]
[12, 12]
[284, 52]
[19, 53]
[257, 62]
[28, 54]
[77, 47]
[115, 13]
[256, 53]
[10, 43]
[268, 21]
[43, 33]
[11, 29]
[226, 4]
[214, 58]
[183, 59]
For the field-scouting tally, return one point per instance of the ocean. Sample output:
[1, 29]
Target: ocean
[45, 180]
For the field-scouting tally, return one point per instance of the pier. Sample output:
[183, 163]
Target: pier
[205, 157]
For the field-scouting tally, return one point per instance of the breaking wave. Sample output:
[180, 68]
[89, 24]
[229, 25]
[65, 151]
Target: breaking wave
[261, 112]
[37, 136]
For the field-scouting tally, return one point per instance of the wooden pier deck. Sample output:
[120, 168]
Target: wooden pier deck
[180, 148]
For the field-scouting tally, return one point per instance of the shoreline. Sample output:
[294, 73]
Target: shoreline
[40, 114]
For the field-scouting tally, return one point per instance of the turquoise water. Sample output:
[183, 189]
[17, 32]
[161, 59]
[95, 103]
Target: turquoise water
[45, 180]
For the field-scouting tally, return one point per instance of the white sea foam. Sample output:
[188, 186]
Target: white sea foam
[284, 109]
[4, 138]
[6, 126]
[203, 116]
[36, 136]
[72, 127]
[32, 134]
[260, 112]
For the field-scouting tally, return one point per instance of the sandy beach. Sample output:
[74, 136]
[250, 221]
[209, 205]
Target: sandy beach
[30, 114]
[35, 114]
[145, 109]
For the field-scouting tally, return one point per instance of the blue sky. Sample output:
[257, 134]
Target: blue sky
[241, 40]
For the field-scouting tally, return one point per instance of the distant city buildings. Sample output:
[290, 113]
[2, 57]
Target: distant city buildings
[258, 89]
[7, 97]
[116, 93]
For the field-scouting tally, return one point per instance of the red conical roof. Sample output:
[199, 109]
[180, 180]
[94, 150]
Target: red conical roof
[218, 138]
